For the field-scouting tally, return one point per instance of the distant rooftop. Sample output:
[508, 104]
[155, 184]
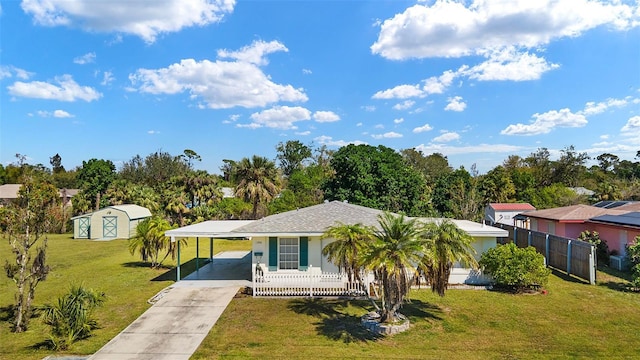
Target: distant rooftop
[612, 204]
[573, 213]
[512, 206]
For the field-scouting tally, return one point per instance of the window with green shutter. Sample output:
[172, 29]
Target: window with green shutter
[304, 253]
[273, 253]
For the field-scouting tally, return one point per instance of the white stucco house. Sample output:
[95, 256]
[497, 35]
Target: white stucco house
[287, 247]
[111, 222]
[507, 213]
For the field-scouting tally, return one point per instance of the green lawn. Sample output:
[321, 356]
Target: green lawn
[103, 265]
[573, 320]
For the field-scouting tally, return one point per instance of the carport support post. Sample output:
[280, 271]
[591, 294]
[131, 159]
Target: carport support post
[197, 253]
[173, 240]
[210, 249]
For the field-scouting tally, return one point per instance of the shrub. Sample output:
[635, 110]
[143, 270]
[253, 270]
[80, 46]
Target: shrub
[602, 249]
[514, 267]
[70, 318]
[633, 256]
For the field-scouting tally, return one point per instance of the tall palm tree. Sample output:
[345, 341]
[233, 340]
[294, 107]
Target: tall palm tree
[445, 244]
[150, 240]
[259, 181]
[396, 249]
[346, 250]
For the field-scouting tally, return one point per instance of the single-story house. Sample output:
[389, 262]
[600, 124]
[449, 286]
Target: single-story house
[9, 192]
[291, 243]
[617, 230]
[567, 221]
[111, 222]
[505, 213]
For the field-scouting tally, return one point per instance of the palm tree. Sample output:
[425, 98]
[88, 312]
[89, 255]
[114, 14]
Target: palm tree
[259, 181]
[347, 248]
[445, 244]
[150, 240]
[396, 249]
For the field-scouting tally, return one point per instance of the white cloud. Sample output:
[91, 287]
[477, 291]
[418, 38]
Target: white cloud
[153, 132]
[398, 121]
[328, 140]
[368, 108]
[325, 116]
[604, 137]
[307, 71]
[400, 92]
[359, 124]
[593, 108]
[146, 19]
[407, 104]
[446, 137]
[85, 59]
[451, 29]
[632, 127]
[432, 85]
[254, 53]
[388, 135]
[221, 84]
[472, 149]
[379, 126]
[7, 71]
[423, 128]
[456, 104]
[280, 117]
[545, 122]
[303, 133]
[65, 90]
[107, 78]
[61, 114]
[510, 64]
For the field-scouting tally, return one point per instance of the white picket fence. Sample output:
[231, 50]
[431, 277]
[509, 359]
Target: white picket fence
[305, 283]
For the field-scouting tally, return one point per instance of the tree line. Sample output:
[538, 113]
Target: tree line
[406, 181]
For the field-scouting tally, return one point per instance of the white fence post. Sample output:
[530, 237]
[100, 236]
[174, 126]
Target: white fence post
[569, 257]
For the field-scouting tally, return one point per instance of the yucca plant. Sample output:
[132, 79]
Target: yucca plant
[70, 318]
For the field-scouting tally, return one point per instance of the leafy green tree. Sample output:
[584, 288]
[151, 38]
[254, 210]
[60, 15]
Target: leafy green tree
[633, 256]
[395, 250]
[346, 251]
[3, 175]
[514, 267]
[569, 168]
[377, 177]
[155, 170]
[56, 163]
[541, 167]
[94, 177]
[292, 155]
[71, 317]
[27, 220]
[189, 156]
[497, 187]
[259, 182]
[431, 166]
[457, 195]
[608, 162]
[445, 245]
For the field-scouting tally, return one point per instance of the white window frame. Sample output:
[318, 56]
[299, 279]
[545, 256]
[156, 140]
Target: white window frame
[290, 258]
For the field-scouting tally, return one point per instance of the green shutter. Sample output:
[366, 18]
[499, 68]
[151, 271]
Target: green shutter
[304, 252]
[273, 253]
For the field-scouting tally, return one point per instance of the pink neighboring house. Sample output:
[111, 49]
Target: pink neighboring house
[615, 226]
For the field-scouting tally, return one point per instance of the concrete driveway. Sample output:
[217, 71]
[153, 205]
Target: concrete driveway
[176, 324]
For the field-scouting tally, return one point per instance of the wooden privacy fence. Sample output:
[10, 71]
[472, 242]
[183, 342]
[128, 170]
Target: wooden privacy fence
[307, 283]
[576, 257]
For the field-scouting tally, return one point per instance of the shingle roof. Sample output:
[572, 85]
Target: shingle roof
[9, 191]
[573, 213]
[313, 219]
[512, 206]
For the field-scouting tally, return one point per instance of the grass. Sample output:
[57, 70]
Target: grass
[574, 320]
[103, 265]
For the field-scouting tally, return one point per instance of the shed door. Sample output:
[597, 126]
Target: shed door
[109, 226]
[84, 224]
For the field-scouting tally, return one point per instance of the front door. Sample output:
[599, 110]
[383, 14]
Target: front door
[109, 226]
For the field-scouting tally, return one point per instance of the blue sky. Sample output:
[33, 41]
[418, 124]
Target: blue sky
[474, 80]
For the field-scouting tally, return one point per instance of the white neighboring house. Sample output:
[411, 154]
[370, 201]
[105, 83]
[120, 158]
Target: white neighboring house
[506, 213]
[289, 245]
[111, 222]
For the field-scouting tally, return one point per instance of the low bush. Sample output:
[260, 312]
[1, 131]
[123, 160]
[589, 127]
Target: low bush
[514, 267]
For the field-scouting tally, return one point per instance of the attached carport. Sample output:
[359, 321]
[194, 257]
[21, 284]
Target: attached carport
[212, 229]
